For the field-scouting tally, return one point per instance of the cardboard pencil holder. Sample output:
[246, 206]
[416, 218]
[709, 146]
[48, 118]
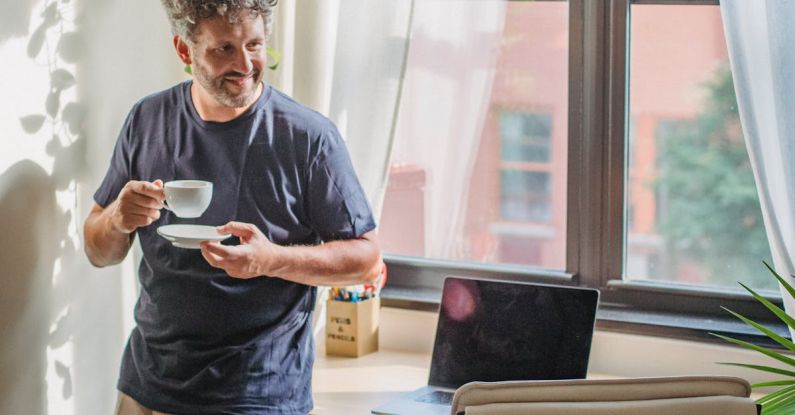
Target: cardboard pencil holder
[352, 327]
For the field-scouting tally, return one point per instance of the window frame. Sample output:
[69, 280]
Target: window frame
[598, 119]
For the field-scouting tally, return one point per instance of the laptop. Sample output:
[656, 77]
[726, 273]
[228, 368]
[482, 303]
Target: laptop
[496, 331]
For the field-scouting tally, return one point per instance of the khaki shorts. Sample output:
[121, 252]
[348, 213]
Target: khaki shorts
[129, 406]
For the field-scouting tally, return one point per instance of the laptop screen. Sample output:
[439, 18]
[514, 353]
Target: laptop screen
[496, 331]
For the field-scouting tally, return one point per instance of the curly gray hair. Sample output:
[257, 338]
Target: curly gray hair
[186, 14]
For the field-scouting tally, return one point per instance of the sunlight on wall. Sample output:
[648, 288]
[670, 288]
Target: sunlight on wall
[39, 86]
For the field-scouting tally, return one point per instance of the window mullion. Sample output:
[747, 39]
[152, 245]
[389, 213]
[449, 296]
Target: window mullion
[597, 83]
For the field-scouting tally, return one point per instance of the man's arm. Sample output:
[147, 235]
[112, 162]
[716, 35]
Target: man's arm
[108, 232]
[336, 263]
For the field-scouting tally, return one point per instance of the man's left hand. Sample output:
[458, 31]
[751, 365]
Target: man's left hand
[254, 257]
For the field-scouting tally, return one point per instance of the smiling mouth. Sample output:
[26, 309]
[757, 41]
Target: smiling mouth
[237, 81]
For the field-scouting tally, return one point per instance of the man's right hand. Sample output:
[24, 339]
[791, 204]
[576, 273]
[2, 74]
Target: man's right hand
[138, 204]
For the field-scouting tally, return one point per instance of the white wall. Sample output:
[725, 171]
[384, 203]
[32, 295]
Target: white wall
[63, 323]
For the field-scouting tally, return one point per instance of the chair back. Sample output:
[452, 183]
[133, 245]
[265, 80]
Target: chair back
[693, 395]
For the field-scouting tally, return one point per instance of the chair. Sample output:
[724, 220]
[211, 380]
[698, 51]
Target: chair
[692, 395]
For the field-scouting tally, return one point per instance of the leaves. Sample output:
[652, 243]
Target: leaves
[275, 58]
[709, 213]
[781, 401]
[32, 123]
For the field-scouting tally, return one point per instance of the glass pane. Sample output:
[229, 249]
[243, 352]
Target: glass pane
[693, 214]
[525, 137]
[525, 196]
[479, 169]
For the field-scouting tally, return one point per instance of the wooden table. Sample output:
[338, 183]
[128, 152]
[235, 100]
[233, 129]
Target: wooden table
[344, 385]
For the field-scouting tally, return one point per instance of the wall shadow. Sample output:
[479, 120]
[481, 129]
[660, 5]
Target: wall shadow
[15, 19]
[31, 229]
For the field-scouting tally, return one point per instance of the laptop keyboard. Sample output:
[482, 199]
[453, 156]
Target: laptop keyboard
[437, 397]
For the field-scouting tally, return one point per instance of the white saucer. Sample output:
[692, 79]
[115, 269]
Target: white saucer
[190, 236]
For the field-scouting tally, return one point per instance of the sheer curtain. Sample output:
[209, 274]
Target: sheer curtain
[346, 60]
[451, 67]
[760, 36]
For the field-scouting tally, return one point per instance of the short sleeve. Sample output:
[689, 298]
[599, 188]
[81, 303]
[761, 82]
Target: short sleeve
[118, 173]
[337, 204]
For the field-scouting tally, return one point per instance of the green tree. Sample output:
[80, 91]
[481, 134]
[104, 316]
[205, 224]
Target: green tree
[710, 214]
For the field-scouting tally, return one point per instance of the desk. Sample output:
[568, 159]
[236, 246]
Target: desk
[345, 385]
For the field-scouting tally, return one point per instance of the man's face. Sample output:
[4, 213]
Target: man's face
[228, 59]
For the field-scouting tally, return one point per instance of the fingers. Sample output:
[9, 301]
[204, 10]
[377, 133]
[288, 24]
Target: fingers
[153, 190]
[141, 200]
[229, 258]
[212, 253]
[138, 205]
[239, 229]
[219, 252]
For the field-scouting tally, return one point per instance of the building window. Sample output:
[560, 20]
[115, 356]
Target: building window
[525, 189]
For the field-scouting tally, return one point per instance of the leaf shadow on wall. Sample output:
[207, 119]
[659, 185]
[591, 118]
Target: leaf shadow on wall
[15, 19]
[32, 230]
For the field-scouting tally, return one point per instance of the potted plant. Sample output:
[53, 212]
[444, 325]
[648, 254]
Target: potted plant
[782, 400]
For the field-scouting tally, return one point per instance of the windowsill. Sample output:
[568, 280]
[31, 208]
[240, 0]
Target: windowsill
[622, 319]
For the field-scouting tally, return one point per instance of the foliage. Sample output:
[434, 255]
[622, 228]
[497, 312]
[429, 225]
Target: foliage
[782, 401]
[711, 215]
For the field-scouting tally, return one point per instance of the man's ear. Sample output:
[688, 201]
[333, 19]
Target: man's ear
[183, 51]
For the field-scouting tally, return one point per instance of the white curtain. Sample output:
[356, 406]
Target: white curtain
[760, 35]
[346, 61]
[454, 46]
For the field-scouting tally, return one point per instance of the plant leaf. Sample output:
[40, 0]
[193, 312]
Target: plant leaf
[770, 369]
[767, 352]
[32, 123]
[783, 400]
[275, 56]
[773, 383]
[781, 314]
[62, 79]
[777, 396]
[781, 280]
[769, 333]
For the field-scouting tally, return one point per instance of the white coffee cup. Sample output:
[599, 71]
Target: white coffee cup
[188, 198]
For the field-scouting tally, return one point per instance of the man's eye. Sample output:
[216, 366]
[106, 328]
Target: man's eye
[224, 49]
[254, 46]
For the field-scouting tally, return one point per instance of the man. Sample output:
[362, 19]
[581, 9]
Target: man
[227, 329]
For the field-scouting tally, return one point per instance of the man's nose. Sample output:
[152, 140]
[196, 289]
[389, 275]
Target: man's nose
[243, 62]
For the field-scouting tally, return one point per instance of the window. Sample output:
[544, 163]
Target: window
[481, 140]
[524, 167]
[695, 212]
[607, 154]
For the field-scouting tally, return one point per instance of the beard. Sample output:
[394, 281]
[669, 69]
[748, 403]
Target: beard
[226, 94]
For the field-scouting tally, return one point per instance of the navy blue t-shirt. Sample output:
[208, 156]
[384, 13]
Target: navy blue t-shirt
[207, 343]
